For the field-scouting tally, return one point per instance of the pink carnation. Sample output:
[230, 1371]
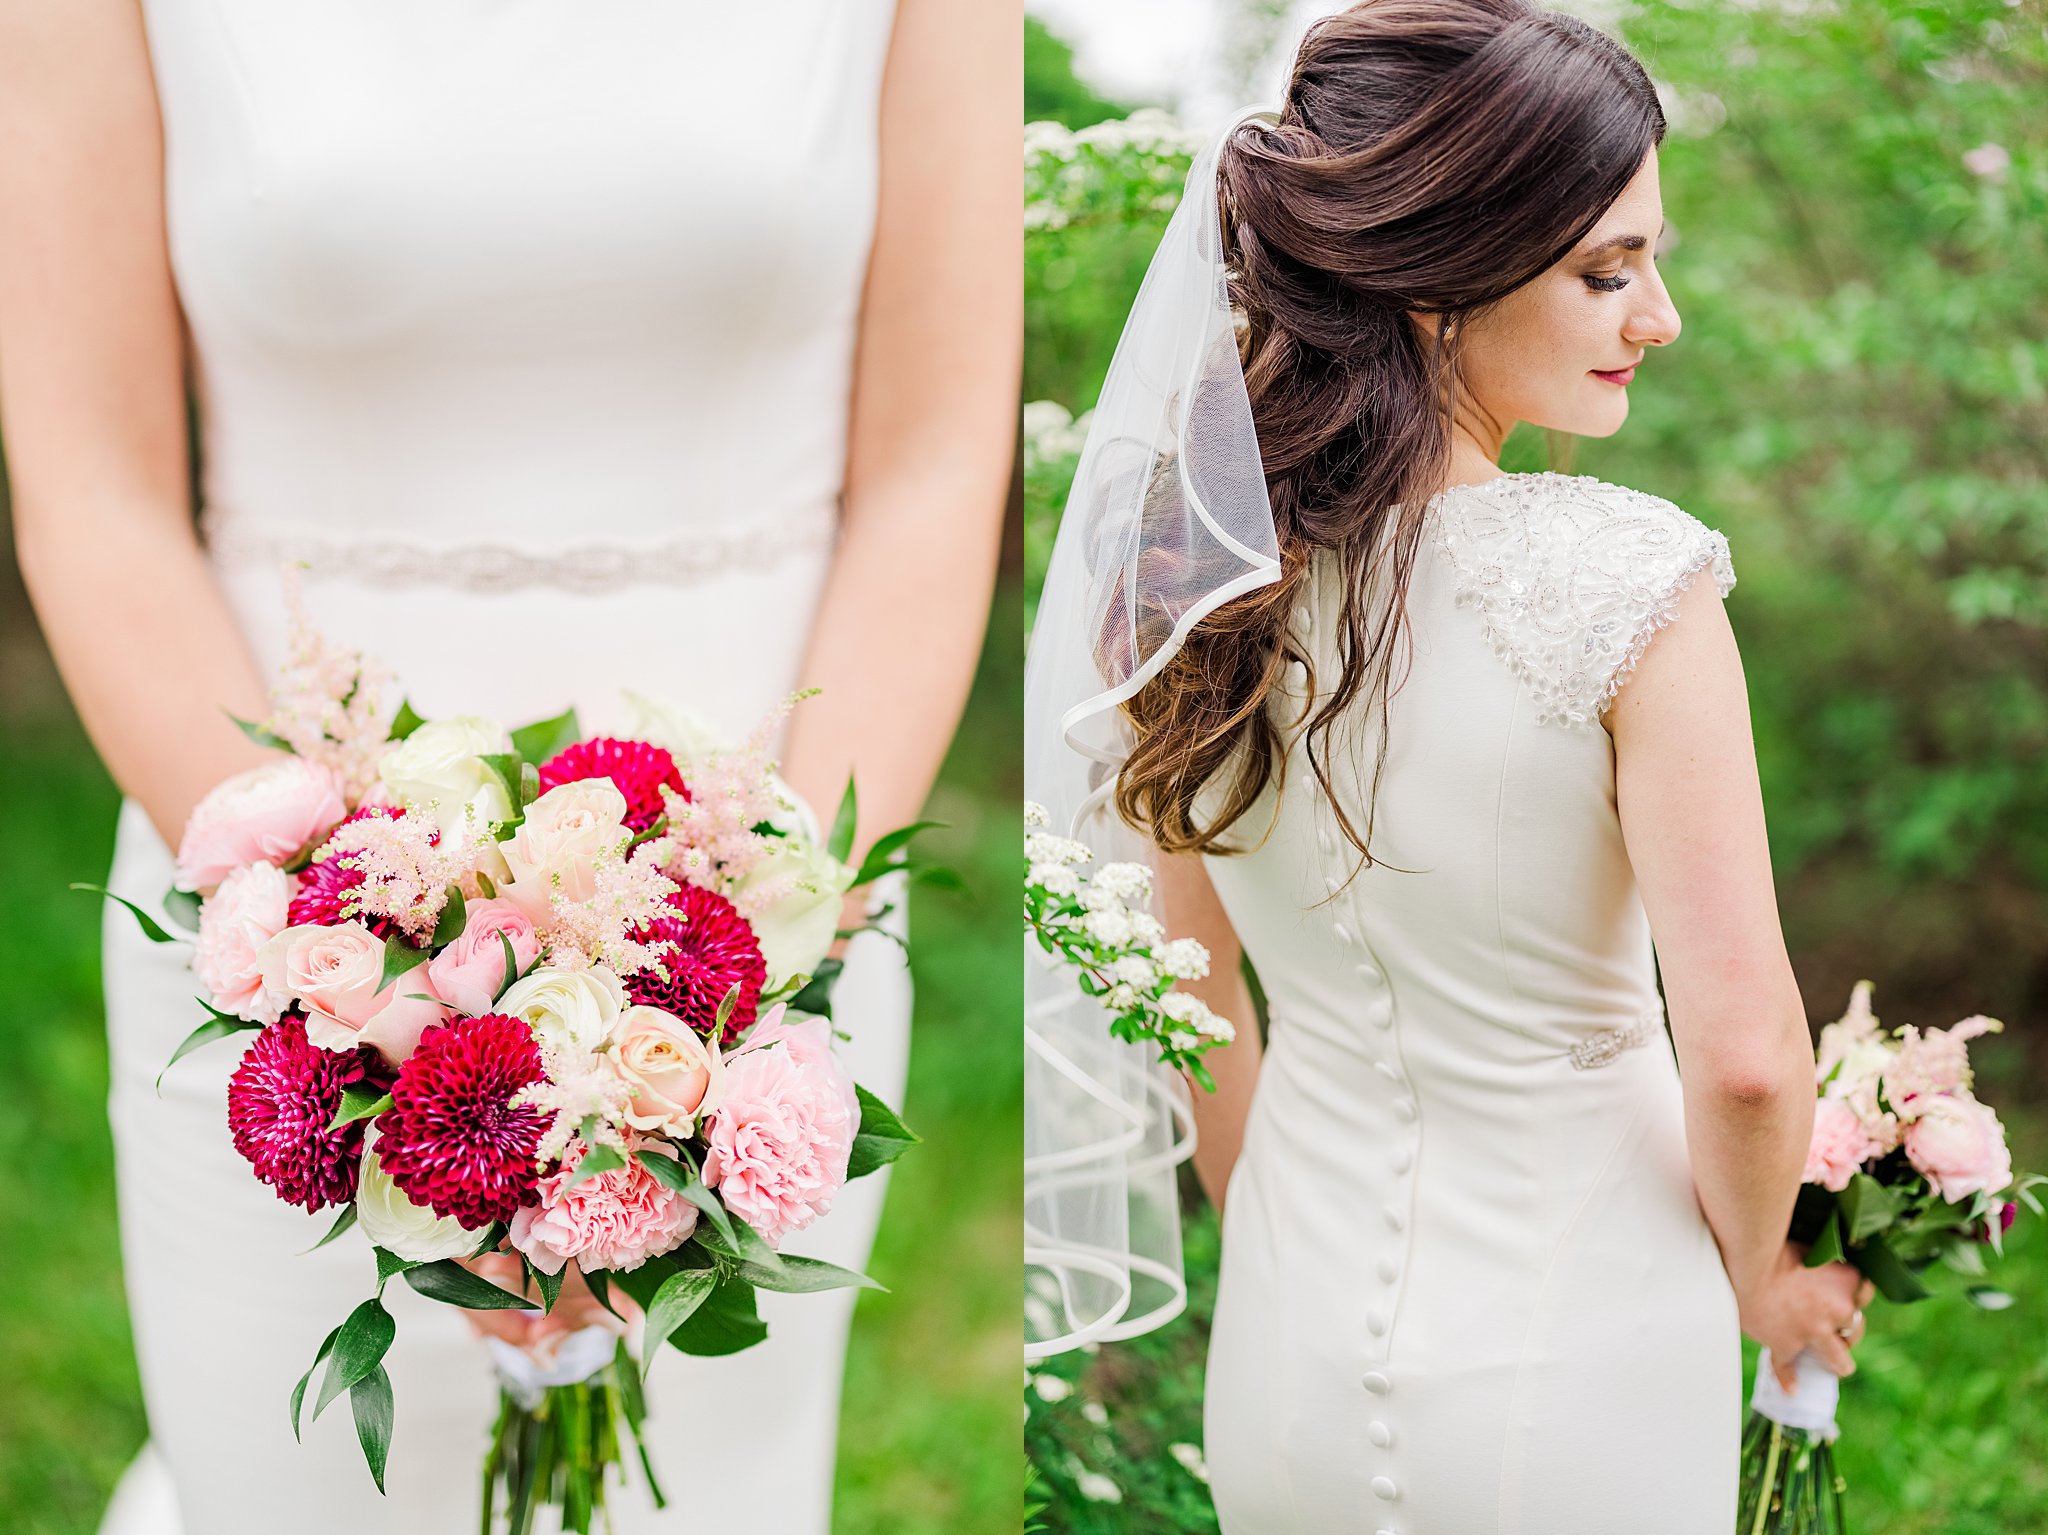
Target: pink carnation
[250, 908]
[1840, 1145]
[779, 1143]
[269, 814]
[1959, 1145]
[615, 1220]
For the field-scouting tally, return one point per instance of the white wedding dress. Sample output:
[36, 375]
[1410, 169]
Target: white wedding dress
[1466, 1287]
[529, 326]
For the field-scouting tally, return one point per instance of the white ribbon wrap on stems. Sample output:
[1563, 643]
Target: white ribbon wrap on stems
[1810, 1405]
[580, 1355]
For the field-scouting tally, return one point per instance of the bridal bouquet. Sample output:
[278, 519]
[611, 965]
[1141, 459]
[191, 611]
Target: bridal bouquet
[535, 1006]
[1906, 1169]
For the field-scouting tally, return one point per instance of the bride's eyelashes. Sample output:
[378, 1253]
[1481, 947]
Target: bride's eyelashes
[1613, 284]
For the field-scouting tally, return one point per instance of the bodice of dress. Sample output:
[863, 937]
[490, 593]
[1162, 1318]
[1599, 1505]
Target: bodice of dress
[495, 297]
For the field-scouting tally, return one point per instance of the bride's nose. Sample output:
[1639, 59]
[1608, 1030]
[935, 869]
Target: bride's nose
[1655, 321]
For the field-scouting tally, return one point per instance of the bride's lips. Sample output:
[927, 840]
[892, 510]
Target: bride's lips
[1623, 377]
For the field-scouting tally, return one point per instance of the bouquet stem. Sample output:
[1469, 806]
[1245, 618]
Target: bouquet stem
[1789, 1482]
[557, 1450]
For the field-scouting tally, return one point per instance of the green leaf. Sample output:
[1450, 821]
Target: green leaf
[151, 928]
[816, 996]
[878, 859]
[798, 1275]
[598, 1159]
[881, 1139]
[726, 1004]
[669, 1171]
[549, 1285]
[299, 1391]
[451, 1283]
[507, 768]
[679, 1296]
[725, 1324]
[342, 1222]
[390, 1266]
[529, 785]
[601, 1287]
[543, 738]
[511, 964]
[182, 907]
[365, 1338]
[358, 1103]
[486, 886]
[840, 842]
[1827, 1247]
[1867, 1207]
[370, 1400]
[937, 876]
[1885, 1269]
[258, 734]
[219, 1026]
[746, 1245]
[405, 721]
[399, 957]
[453, 916]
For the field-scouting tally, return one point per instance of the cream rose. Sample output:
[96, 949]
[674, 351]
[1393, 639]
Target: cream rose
[556, 847]
[336, 973]
[396, 1224]
[796, 930]
[675, 1076]
[439, 770]
[570, 1009]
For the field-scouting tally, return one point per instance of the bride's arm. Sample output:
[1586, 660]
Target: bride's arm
[92, 398]
[1190, 909]
[1692, 817]
[934, 420]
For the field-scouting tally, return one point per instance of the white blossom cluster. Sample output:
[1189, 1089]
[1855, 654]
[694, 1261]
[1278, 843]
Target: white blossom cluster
[1053, 437]
[1126, 165]
[1102, 925]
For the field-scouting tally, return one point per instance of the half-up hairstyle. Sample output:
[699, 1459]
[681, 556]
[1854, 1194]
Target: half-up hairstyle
[1431, 156]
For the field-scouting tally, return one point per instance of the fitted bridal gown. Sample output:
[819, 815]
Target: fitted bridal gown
[1466, 1285]
[528, 325]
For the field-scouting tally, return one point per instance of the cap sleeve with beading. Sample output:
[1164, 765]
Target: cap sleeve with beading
[1572, 576]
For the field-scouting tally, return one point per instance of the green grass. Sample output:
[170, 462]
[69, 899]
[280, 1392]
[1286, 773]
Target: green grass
[929, 1415]
[1943, 1431]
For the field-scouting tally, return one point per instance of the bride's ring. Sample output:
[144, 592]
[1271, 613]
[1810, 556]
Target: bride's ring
[1844, 1332]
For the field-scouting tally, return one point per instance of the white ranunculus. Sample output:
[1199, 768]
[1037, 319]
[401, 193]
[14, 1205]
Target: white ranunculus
[570, 1009]
[795, 932]
[440, 765]
[393, 1222]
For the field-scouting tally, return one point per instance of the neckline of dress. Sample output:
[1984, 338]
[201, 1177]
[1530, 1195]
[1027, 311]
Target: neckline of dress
[1530, 474]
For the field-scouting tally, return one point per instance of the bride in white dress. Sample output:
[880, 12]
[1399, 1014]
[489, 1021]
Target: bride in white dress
[571, 347]
[1490, 1233]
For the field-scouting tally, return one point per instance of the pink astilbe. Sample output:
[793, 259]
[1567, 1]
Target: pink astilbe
[403, 867]
[327, 703]
[628, 891]
[711, 839]
[579, 1086]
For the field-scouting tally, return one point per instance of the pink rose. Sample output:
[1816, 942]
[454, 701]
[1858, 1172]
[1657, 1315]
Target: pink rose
[337, 973]
[674, 1075]
[250, 908]
[559, 842]
[470, 972]
[615, 1220]
[271, 813]
[778, 1145]
[1959, 1145]
[1840, 1145]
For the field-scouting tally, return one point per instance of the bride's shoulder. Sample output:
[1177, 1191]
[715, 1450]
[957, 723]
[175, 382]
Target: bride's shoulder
[1572, 575]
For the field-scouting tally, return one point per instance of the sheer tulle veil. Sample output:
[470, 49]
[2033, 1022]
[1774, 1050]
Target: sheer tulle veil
[1167, 520]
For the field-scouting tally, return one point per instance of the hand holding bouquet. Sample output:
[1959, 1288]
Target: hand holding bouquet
[528, 1005]
[1906, 1169]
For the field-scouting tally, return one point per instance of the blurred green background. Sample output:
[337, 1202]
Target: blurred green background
[1858, 192]
[929, 1415]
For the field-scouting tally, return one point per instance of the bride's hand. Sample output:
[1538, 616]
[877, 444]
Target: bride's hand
[575, 1307]
[1793, 1307]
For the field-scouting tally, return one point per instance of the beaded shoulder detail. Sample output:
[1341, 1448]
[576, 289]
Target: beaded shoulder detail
[1572, 576]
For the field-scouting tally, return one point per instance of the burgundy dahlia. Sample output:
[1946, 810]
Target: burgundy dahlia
[639, 770]
[452, 1139]
[710, 946]
[280, 1101]
[324, 885]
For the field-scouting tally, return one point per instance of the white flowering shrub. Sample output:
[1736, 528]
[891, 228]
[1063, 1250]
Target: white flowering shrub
[1110, 170]
[1102, 925]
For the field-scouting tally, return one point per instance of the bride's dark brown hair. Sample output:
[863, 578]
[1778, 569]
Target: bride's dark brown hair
[1433, 156]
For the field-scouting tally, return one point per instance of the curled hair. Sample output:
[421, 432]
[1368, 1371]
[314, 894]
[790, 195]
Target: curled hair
[1432, 156]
